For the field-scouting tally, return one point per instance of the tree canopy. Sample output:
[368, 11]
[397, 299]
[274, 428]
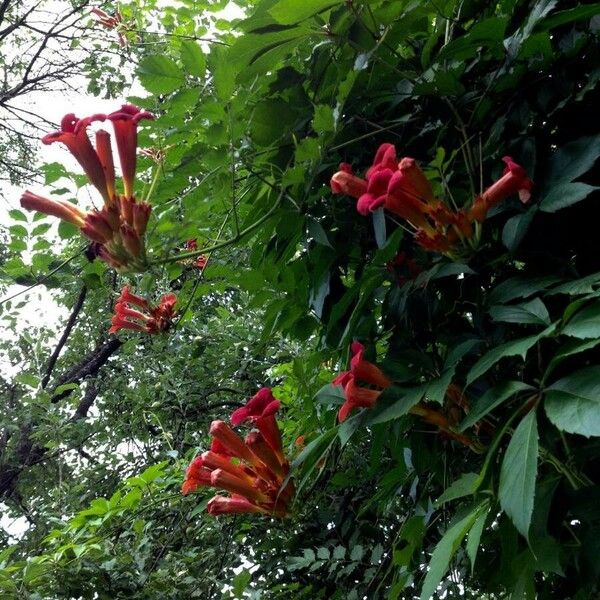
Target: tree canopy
[332, 330]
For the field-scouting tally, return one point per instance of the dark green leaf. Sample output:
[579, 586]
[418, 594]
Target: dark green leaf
[565, 194]
[445, 550]
[585, 323]
[518, 473]
[491, 399]
[533, 312]
[573, 403]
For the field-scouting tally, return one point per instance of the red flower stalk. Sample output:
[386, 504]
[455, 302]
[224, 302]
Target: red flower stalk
[125, 125]
[149, 319]
[73, 134]
[250, 470]
[55, 208]
[365, 372]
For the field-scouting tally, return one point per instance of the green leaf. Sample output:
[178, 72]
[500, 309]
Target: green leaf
[305, 463]
[357, 553]
[474, 538]
[570, 348]
[267, 129]
[17, 215]
[520, 287]
[513, 348]
[324, 119]
[533, 312]
[393, 403]
[316, 231]
[330, 394]
[573, 160]
[517, 476]
[240, 583]
[569, 16]
[516, 227]
[445, 550]
[288, 12]
[160, 74]
[565, 194]
[464, 486]
[488, 32]
[573, 403]
[491, 399]
[585, 323]
[193, 58]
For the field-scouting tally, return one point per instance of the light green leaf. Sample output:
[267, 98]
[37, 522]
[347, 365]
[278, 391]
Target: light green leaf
[193, 58]
[464, 486]
[288, 12]
[160, 74]
[565, 194]
[573, 403]
[517, 475]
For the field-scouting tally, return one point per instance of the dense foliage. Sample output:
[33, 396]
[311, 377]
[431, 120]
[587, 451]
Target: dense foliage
[475, 472]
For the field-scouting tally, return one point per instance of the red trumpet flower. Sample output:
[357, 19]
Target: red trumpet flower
[250, 470]
[125, 125]
[514, 180]
[56, 208]
[402, 188]
[144, 318]
[260, 410]
[365, 372]
[118, 228]
[73, 134]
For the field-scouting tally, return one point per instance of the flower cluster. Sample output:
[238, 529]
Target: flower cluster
[143, 317]
[253, 470]
[200, 261]
[400, 186]
[365, 382]
[118, 228]
[112, 22]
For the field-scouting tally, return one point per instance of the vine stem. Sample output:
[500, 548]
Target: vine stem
[236, 238]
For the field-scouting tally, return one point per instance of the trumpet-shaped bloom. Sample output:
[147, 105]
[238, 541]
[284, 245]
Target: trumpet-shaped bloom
[125, 123]
[514, 180]
[250, 470]
[260, 410]
[73, 134]
[144, 318]
[362, 373]
[55, 208]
